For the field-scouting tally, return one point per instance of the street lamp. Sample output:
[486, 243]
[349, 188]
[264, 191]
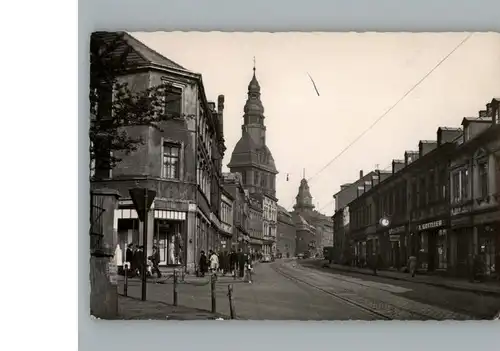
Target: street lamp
[384, 222]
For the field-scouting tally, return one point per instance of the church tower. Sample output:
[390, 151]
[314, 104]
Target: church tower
[304, 198]
[251, 157]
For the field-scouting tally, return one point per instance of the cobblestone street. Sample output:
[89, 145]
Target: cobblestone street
[291, 290]
[474, 304]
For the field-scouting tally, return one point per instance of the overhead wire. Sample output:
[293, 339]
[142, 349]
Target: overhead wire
[408, 92]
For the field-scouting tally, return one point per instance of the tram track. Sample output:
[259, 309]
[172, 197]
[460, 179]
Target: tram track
[351, 302]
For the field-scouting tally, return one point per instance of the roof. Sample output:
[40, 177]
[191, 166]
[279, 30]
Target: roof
[139, 53]
[245, 153]
[428, 141]
[476, 119]
[450, 129]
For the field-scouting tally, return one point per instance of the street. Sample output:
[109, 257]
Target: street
[299, 290]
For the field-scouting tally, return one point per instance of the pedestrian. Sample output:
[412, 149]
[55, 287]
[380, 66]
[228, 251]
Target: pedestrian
[139, 260]
[202, 264]
[412, 265]
[374, 263]
[249, 268]
[233, 262]
[214, 262]
[155, 261]
[129, 259]
[241, 263]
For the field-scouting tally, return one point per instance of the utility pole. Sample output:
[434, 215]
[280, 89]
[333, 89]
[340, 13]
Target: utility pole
[143, 199]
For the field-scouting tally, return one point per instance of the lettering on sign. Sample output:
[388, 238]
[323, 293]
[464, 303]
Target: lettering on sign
[396, 230]
[113, 273]
[430, 225]
[459, 210]
[393, 237]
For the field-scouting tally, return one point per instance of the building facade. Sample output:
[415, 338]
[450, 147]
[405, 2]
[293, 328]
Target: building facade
[241, 207]
[286, 234]
[269, 225]
[346, 246]
[226, 219]
[256, 225]
[181, 161]
[442, 203]
[474, 200]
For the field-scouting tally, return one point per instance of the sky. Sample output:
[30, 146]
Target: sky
[359, 77]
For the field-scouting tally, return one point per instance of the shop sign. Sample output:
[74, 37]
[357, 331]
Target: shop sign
[394, 238]
[397, 230]
[460, 210]
[112, 273]
[430, 225]
[372, 237]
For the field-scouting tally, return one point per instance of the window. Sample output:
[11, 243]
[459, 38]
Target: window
[442, 182]
[483, 179]
[413, 194]
[256, 178]
[422, 193]
[455, 179]
[173, 102]
[171, 161]
[430, 185]
[464, 183]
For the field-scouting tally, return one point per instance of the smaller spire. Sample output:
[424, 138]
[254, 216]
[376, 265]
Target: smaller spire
[304, 173]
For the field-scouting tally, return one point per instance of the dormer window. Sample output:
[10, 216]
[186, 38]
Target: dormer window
[466, 133]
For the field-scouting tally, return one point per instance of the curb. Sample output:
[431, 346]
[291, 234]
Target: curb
[214, 315]
[448, 287]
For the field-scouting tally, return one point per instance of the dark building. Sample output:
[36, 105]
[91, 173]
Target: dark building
[182, 161]
[347, 246]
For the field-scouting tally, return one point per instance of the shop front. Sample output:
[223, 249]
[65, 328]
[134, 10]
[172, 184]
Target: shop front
[167, 231]
[432, 245]
[397, 257]
[460, 240]
[488, 241]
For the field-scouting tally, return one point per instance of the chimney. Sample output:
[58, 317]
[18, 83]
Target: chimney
[426, 146]
[447, 135]
[483, 113]
[211, 106]
[360, 174]
[220, 112]
[397, 165]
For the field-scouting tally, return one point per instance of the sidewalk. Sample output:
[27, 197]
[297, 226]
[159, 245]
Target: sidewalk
[489, 288]
[134, 308]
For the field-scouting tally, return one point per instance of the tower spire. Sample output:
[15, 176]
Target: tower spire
[304, 173]
[254, 65]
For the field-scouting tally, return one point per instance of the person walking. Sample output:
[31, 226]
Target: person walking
[214, 262]
[155, 260]
[412, 265]
[241, 263]
[249, 268]
[233, 260]
[202, 264]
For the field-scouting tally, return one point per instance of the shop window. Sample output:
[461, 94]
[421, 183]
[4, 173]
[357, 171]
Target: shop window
[442, 250]
[169, 241]
[487, 254]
